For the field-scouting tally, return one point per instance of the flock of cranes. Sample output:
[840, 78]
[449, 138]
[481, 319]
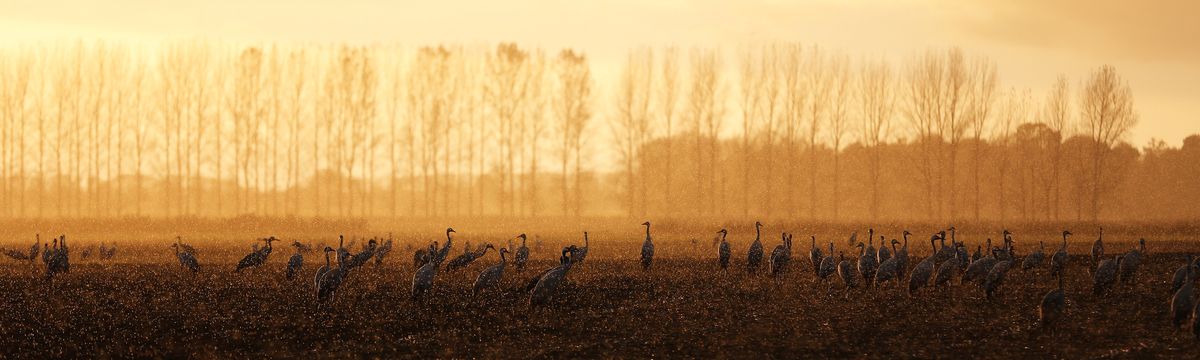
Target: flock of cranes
[887, 266]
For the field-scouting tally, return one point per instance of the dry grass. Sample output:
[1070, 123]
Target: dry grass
[141, 304]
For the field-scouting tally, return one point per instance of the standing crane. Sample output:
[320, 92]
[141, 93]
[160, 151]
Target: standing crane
[330, 282]
[1052, 305]
[867, 263]
[920, 274]
[1034, 259]
[781, 255]
[1098, 248]
[256, 258]
[383, 250]
[902, 257]
[814, 254]
[755, 255]
[1058, 262]
[1106, 275]
[1181, 301]
[186, 259]
[323, 269]
[846, 271]
[828, 266]
[548, 283]
[581, 254]
[522, 255]
[296, 261]
[647, 249]
[1132, 259]
[492, 275]
[723, 251]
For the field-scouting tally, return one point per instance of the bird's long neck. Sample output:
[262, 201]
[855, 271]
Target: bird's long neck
[757, 233]
[647, 231]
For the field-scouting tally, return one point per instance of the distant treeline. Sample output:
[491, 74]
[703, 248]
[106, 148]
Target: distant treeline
[199, 128]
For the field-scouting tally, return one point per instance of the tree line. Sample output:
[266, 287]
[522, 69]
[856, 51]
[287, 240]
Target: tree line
[210, 129]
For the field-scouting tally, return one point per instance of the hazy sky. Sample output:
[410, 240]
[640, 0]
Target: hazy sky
[1154, 44]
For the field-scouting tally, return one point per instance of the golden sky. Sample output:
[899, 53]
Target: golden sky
[1154, 44]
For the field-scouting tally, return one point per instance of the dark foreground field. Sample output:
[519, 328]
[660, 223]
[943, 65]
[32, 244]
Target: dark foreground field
[143, 305]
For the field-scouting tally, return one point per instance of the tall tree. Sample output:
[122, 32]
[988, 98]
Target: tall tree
[978, 110]
[1106, 108]
[877, 96]
[630, 125]
[1057, 115]
[572, 106]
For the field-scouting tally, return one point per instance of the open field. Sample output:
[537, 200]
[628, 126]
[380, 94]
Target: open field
[142, 304]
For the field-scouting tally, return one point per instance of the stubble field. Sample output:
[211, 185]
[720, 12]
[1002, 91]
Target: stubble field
[142, 304]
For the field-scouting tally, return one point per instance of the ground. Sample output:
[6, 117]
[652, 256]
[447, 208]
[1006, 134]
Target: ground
[142, 304]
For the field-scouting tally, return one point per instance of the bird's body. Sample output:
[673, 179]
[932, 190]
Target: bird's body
[330, 283]
[256, 258]
[342, 253]
[867, 264]
[321, 271]
[647, 249]
[383, 251]
[828, 265]
[884, 253]
[423, 278]
[294, 264]
[723, 250]
[846, 271]
[1098, 248]
[1058, 262]
[781, 256]
[946, 271]
[815, 256]
[467, 258]
[919, 277]
[424, 255]
[1052, 305]
[548, 283]
[887, 271]
[755, 255]
[522, 256]
[995, 277]
[186, 259]
[1105, 276]
[1187, 272]
[581, 254]
[1034, 259]
[1131, 261]
[491, 276]
[902, 257]
[363, 256]
[1181, 301]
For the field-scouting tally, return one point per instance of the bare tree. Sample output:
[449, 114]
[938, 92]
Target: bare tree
[706, 104]
[818, 82]
[840, 97]
[1013, 112]
[978, 110]
[794, 104]
[877, 96]
[632, 116]
[1057, 115]
[572, 105]
[753, 75]
[1106, 109]
[668, 97]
